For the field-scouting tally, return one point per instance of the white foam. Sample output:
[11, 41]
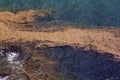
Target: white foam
[11, 56]
[1, 53]
[4, 78]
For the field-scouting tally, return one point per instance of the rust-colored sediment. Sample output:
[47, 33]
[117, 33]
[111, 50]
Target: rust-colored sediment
[103, 40]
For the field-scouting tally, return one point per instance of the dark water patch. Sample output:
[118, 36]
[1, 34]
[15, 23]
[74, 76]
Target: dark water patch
[84, 65]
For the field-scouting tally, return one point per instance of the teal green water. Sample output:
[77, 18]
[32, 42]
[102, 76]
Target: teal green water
[89, 12]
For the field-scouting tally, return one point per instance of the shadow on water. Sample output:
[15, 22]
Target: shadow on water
[77, 64]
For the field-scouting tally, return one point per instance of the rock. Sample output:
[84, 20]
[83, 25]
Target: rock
[22, 18]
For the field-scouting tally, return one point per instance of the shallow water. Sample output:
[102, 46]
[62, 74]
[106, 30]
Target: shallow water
[85, 12]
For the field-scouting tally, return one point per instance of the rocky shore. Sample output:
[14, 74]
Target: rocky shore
[28, 52]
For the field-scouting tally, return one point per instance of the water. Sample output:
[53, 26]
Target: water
[84, 12]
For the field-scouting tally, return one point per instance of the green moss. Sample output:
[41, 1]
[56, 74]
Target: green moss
[3, 65]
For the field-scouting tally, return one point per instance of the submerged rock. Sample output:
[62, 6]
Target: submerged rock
[23, 20]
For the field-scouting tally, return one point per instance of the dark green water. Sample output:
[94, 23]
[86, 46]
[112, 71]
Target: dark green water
[87, 12]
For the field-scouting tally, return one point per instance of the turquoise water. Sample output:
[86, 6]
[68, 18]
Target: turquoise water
[88, 12]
